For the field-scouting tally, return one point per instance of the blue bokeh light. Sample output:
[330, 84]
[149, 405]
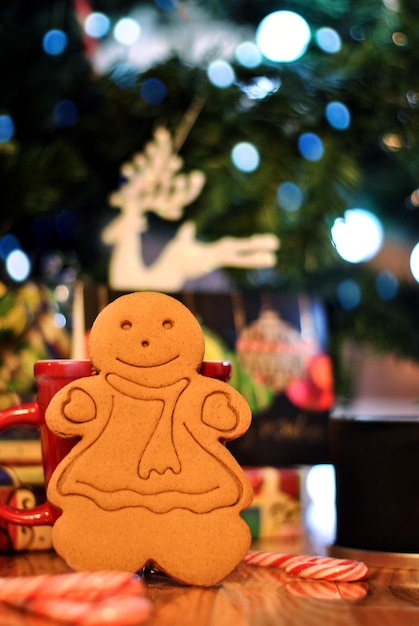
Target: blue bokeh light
[153, 91]
[60, 320]
[338, 115]
[245, 157]
[124, 75]
[328, 40]
[54, 42]
[348, 294]
[167, 5]
[283, 36]
[310, 146]
[8, 243]
[221, 74]
[65, 223]
[386, 285]
[97, 25]
[7, 128]
[289, 196]
[248, 54]
[65, 113]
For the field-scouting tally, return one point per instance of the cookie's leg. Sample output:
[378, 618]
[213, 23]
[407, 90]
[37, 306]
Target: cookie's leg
[89, 538]
[200, 549]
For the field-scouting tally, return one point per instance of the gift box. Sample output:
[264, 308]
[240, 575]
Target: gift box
[276, 508]
[22, 487]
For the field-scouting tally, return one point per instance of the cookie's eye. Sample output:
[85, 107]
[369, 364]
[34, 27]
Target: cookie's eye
[126, 325]
[167, 324]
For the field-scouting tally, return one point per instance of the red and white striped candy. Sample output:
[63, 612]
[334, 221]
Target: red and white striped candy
[80, 598]
[85, 586]
[314, 567]
[323, 568]
[120, 610]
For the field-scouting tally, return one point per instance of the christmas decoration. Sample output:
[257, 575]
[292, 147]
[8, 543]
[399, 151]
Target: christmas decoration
[154, 184]
[285, 359]
[273, 351]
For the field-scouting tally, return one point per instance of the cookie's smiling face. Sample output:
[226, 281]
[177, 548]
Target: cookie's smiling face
[147, 337]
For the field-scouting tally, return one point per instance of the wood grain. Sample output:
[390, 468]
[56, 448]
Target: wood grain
[255, 596]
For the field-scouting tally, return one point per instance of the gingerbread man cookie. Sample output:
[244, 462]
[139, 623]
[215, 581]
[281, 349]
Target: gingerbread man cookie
[150, 480]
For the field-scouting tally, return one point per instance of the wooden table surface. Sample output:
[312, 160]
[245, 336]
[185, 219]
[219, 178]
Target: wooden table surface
[255, 596]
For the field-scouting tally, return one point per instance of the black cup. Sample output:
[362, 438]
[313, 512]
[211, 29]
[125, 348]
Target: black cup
[377, 482]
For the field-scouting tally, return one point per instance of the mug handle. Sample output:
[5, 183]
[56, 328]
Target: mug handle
[43, 514]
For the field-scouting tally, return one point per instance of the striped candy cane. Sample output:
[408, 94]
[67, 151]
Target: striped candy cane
[80, 598]
[314, 567]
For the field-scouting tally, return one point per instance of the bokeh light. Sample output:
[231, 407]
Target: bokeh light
[221, 74]
[283, 36]
[386, 285]
[358, 236]
[127, 31]
[54, 42]
[166, 5]
[8, 243]
[60, 320]
[310, 146]
[245, 157]
[328, 40]
[414, 262]
[61, 293]
[338, 115]
[65, 113]
[348, 294]
[153, 91]
[65, 223]
[289, 196]
[124, 75]
[248, 54]
[18, 265]
[7, 128]
[260, 87]
[320, 515]
[97, 25]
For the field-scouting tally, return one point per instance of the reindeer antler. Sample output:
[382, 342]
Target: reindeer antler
[153, 183]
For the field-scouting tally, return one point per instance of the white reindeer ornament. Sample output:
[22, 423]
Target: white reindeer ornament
[153, 184]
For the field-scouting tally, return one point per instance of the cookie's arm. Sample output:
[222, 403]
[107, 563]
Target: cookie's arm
[74, 407]
[227, 411]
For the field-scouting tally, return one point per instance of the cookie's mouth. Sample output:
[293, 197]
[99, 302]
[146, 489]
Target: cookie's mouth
[142, 366]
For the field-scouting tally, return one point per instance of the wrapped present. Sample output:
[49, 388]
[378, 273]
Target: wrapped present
[276, 508]
[22, 487]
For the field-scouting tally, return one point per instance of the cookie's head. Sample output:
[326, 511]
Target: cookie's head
[147, 337]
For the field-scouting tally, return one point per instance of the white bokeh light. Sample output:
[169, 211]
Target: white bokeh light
[18, 265]
[320, 514]
[245, 157]
[127, 31]
[358, 236]
[283, 36]
[414, 262]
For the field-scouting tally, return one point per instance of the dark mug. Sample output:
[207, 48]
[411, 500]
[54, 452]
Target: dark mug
[376, 462]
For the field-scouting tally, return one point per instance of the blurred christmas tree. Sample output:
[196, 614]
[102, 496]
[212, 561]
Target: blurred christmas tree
[334, 127]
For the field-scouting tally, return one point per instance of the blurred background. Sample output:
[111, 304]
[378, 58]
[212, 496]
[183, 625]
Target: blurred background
[300, 116]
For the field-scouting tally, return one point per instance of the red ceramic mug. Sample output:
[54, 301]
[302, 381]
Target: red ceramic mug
[50, 377]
